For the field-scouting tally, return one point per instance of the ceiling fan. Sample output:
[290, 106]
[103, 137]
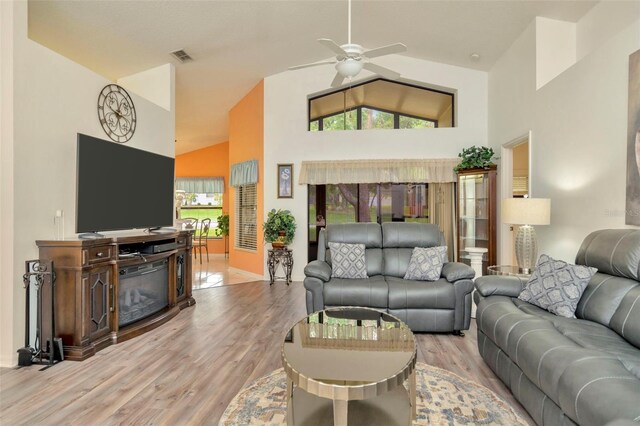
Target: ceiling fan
[351, 58]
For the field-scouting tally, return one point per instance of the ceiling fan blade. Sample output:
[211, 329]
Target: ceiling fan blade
[333, 46]
[384, 72]
[337, 80]
[297, 67]
[385, 50]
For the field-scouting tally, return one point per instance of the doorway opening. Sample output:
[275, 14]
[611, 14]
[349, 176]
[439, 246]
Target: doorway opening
[515, 183]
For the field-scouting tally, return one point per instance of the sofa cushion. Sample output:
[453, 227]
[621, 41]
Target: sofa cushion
[557, 286]
[596, 390]
[410, 235]
[403, 294]
[372, 292]
[396, 261]
[626, 320]
[593, 336]
[399, 240]
[368, 234]
[347, 261]
[602, 297]
[613, 252]
[426, 263]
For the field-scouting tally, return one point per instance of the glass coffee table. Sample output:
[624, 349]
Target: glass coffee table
[348, 365]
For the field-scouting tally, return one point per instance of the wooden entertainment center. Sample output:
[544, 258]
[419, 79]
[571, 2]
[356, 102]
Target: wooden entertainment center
[93, 309]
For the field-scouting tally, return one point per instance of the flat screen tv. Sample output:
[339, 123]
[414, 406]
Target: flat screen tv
[119, 187]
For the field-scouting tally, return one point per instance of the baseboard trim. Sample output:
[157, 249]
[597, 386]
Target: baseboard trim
[250, 274]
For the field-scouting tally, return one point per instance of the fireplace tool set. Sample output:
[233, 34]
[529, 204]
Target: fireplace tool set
[47, 349]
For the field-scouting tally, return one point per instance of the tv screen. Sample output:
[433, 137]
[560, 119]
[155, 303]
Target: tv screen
[119, 187]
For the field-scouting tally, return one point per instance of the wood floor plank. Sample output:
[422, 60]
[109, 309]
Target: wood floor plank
[188, 370]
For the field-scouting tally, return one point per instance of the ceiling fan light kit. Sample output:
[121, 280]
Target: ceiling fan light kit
[351, 58]
[349, 67]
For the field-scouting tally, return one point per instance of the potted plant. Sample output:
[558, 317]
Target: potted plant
[475, 158]
[223, 225]
[223, 230]
[280, 228]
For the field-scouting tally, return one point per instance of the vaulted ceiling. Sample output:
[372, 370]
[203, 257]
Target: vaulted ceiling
[235, 44]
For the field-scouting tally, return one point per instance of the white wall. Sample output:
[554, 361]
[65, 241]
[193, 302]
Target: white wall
[286, 139]
[555, 48]
[7, 285]
[53, 100]
[512, 86]
[603, 21]
[579, 132]
[155, 85]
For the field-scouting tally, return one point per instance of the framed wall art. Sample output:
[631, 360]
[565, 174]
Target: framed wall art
[285, 180]
[632, 211]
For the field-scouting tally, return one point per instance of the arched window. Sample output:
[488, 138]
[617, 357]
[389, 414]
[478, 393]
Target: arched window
[381, 104]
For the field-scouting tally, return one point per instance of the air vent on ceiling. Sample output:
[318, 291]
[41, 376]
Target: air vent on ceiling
[182, 56]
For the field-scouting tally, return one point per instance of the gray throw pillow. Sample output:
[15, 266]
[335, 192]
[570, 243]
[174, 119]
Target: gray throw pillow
[557, 286]
[348, 261]
[426, 263]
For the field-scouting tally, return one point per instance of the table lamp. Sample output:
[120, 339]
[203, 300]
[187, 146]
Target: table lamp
[526, 212]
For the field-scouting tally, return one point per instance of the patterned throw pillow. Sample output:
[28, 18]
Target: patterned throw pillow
[348, 261]
[557, 286]
[426, 263]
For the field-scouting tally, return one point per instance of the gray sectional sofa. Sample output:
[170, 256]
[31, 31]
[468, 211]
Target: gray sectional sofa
[584, 370]
[439, 306]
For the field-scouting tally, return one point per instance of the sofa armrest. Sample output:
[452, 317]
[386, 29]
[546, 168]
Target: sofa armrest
[318, 269]
[499, 285]
[454, 271]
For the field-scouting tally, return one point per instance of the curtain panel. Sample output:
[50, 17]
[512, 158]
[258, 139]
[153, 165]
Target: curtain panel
[442, 212]
[201, 185]
[378, 171]
[244, 173]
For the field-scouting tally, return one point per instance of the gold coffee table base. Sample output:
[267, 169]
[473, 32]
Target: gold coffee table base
[391, 408]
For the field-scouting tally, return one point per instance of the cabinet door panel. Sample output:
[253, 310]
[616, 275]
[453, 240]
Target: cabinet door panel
[181, 275]
[97, 290]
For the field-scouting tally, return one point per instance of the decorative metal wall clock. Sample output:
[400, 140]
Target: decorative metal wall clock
[117, 113]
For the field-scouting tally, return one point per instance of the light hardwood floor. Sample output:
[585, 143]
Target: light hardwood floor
[189, 369]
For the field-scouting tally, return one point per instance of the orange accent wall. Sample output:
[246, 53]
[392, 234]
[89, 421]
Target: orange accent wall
[210, 161]
[246, 142]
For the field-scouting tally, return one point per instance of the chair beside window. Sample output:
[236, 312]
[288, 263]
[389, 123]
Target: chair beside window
[190, 223]
[201, 239]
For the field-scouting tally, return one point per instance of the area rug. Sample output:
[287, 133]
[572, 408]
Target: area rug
[444, 398]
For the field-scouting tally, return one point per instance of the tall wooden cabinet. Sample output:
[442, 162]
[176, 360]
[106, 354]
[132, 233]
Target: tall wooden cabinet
[476, 208]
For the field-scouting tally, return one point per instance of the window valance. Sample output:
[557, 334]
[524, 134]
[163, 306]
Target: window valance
[378, 171]
[200, 185]
[244, 173]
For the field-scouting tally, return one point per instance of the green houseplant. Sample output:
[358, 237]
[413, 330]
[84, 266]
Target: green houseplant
[280, 228]
[475, 158]
[223, 225]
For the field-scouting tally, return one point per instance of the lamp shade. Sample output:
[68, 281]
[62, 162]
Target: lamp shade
[526, 211]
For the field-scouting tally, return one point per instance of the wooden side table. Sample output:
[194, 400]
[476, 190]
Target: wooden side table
[283, 257]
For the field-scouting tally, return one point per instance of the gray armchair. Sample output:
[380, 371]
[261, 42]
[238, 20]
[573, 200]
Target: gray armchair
[439, 306]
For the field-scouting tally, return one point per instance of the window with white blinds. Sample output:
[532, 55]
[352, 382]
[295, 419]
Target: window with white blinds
[246, 217]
